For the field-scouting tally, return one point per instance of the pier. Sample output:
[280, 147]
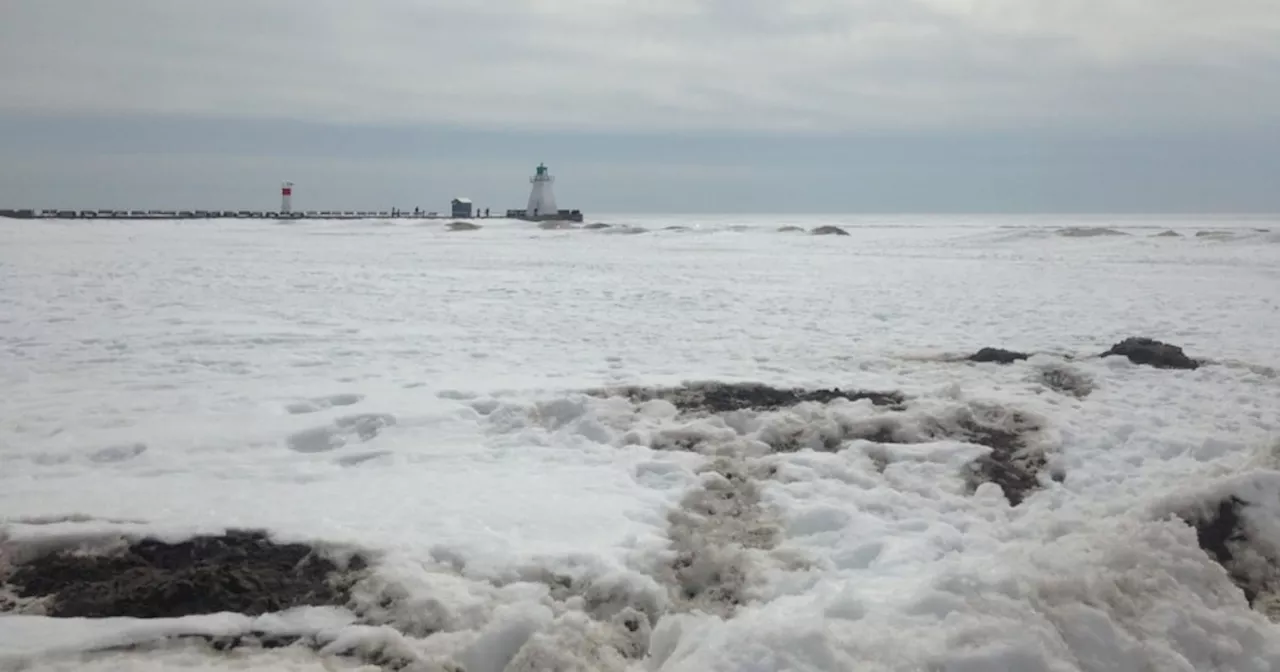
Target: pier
[569, 215]
[541, 208]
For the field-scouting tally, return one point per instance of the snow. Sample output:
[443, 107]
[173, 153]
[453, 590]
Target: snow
[420, 392]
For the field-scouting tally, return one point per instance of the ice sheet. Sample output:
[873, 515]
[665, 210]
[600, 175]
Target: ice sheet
[419, 392]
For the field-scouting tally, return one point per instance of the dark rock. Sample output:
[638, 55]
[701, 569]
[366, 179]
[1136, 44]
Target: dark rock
[241, 572]
[597, 225]
[998, 355]
[829, 231]
[1213, 532]
[1220, 531]
[1168, 234]
[789, 229]
[1150, 352]
[462, 226]
[725, 397]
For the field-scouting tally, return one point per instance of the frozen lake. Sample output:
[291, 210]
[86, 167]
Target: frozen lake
[421, 394]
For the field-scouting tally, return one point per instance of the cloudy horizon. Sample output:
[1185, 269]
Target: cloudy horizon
[666, 106]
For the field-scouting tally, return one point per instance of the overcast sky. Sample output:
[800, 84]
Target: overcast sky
[653, 105]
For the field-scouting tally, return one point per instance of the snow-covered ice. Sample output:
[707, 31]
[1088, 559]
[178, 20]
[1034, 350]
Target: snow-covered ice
[434, 398]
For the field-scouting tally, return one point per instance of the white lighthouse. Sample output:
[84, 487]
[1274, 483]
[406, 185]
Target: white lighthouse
[286, 197]
[542, 201]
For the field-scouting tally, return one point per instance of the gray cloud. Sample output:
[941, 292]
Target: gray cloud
[675, 105]
[810, 65]
[175, 162]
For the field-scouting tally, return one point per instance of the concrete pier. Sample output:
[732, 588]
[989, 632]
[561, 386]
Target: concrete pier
[541, 208]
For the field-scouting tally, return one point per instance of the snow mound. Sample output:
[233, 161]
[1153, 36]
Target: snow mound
[1129, 596]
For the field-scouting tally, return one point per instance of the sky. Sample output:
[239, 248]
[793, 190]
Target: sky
[654, 106]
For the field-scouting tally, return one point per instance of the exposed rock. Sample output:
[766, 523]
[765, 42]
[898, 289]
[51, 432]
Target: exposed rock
[1213, 234]
[1222, 534]
[462, 226]
[241, 571]
[790, 229]
[829, 231]
[1142, 350]
[712, 397]
[1214, 531]
[597, 225]
[1170, 233]
[997, 355]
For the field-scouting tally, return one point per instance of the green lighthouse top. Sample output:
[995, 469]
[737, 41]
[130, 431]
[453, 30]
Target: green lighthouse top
[542, 169]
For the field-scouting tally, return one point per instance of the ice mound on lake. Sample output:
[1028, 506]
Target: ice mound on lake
[1089, 232]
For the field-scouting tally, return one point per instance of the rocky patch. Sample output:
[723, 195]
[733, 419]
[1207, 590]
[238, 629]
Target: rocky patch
[597, 225]
[712, 397]
[790, 229]
[241, 571]
[1169, 233]
[462, 226]
[997, 355]
[1150, 352]
[829, 231]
